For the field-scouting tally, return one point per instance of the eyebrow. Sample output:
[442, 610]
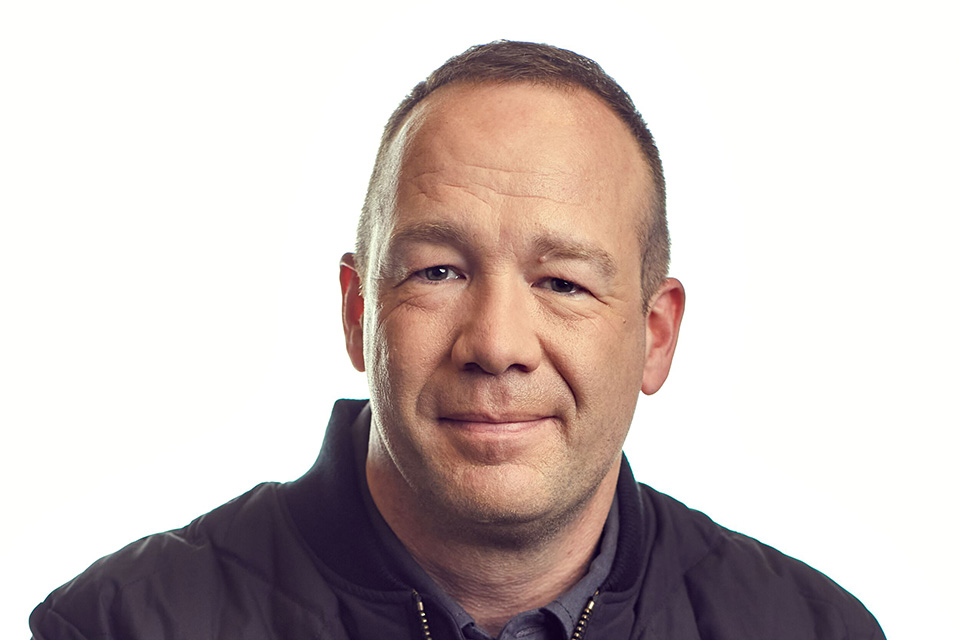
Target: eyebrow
[431, 232]
[548, 246]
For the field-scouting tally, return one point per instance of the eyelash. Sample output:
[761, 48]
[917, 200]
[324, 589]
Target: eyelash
[446, 270]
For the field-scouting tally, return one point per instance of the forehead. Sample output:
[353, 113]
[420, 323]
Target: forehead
[566, 136]
[545, 156]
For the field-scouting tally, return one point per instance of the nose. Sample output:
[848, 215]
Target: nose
[498, 332]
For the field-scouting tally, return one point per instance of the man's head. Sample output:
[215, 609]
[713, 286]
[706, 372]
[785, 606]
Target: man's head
[540, 64]
[501, 314]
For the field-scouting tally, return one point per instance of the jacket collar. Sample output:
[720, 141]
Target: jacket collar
[326, 506]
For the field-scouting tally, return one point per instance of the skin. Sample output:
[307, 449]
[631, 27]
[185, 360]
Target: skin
[501, 326]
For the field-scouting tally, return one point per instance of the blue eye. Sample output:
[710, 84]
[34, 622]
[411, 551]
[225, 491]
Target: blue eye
[563, 286]
[438, 273]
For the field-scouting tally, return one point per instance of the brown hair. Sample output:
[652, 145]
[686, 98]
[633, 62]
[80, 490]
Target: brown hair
[509, 61]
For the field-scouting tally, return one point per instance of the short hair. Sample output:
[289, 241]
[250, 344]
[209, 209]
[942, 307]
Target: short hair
[506, 61]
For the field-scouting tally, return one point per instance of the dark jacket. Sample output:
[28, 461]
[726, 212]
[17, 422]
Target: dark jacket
[300, 560]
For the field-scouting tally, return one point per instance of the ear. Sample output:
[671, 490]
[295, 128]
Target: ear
[352, 309]
[663, 328]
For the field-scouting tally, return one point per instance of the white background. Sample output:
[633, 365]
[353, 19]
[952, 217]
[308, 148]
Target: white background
[179, 179]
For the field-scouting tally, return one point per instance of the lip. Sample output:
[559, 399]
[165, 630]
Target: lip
[481, 416]
[502, 424]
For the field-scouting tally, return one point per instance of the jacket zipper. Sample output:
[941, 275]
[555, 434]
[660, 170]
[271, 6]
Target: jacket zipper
[422, 616]
[579, 631]
[581, 628]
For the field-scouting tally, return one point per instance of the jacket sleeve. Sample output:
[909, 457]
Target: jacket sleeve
[47, 624]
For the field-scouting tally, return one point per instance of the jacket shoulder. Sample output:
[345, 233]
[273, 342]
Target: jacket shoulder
[166, 584]
[738, 587]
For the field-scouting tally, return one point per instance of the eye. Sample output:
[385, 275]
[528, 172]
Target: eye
[437, 273]
[559, 285]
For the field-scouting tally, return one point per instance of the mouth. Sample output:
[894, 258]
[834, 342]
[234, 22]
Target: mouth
[500, 437]
[500, 424]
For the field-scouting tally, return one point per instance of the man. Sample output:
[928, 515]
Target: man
[509, 301]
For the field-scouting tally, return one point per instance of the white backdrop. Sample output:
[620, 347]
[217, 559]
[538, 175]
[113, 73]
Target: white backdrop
[179, 179]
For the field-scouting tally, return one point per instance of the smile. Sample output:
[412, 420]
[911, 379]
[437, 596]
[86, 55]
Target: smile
[494, 425]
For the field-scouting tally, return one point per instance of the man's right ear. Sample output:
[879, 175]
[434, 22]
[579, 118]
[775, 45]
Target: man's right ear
[352, 309]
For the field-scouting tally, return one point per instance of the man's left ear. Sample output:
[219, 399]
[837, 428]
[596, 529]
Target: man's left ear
[663, 328]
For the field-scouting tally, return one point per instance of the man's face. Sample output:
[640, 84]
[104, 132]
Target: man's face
[502, 327]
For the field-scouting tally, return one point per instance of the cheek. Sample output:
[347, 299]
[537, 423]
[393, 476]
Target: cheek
[408, 343]
[604, 353]
[602, 364]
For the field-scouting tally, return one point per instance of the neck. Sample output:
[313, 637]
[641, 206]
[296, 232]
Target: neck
[493, 571]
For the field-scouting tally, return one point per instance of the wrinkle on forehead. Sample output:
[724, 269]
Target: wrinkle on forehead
[481, 192]
[431, 192]
[483, 182]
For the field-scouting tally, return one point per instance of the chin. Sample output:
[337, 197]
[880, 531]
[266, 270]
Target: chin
[507, 503]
